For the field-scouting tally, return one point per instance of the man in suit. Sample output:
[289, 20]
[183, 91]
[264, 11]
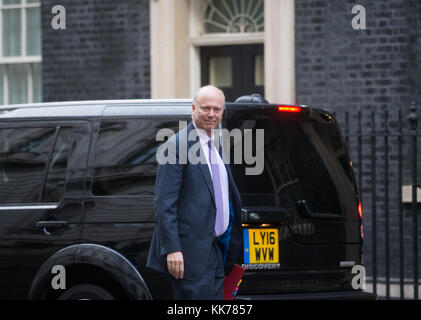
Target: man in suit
[197, 238]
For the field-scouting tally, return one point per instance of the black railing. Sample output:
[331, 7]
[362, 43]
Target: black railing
[413, 125]
[383, 147]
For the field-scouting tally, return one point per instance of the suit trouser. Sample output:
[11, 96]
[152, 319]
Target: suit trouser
[210, 287]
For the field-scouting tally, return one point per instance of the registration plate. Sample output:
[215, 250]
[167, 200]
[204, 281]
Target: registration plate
[261, 246]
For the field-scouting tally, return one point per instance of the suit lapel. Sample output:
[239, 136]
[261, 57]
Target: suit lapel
[234, 194]
[203, 167]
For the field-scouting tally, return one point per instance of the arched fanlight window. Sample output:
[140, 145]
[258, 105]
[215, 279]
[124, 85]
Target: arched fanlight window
[232, 16]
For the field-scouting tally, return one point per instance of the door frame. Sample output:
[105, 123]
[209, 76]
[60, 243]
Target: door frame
[240, 54]
[176, 38]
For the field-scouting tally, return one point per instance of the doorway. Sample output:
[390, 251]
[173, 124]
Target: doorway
[237, 70]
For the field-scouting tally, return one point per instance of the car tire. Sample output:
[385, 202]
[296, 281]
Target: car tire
[86, 292]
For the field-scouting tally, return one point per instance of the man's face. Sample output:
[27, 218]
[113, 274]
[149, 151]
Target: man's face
[207, 114]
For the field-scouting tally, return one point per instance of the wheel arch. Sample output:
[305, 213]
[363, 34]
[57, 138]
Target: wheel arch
[97, 258]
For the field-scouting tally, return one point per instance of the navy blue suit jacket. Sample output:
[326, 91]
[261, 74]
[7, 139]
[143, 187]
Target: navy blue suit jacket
[185, 213]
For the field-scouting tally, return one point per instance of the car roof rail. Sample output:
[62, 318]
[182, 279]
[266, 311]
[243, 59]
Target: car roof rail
[252, 98]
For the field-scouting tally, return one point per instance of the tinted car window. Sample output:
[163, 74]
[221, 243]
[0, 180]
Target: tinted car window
[296, 154]
[125, 156]
[57, 166]
[24, 155]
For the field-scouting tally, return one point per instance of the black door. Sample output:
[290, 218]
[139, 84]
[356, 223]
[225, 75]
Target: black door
[237, 70]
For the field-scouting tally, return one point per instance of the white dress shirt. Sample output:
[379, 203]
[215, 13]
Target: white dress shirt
[204, 138]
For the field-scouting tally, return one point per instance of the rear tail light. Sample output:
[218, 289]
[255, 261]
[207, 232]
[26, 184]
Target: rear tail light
[360, 212]
[289, 109]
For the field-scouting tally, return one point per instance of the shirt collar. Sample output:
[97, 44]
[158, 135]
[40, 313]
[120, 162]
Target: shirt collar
[203, 135]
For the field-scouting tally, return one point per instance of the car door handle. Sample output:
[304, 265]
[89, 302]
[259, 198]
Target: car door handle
[52, 224]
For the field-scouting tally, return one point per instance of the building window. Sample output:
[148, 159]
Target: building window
[20, 51]
[236, 16]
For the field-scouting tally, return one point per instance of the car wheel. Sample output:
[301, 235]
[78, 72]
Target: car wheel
[86, 292]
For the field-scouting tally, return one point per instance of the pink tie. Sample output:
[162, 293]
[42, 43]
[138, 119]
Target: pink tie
[217, 188]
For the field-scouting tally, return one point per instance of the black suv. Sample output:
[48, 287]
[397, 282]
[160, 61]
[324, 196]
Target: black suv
[76, 193]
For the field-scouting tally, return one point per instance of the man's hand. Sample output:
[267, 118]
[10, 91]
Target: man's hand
[175, 264]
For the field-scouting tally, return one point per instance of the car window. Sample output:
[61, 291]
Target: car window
[125, 156]
[24, 155]
[57, 166]
[296, 159]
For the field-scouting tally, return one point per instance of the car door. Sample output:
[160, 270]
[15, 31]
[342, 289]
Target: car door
[43, 166]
